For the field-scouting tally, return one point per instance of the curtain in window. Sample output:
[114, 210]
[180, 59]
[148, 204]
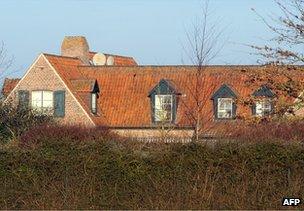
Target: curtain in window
[94, 103]
[42, 100]
[163, 108]
[47, 99]
[36, 99]
[263, 107]
[225, 107]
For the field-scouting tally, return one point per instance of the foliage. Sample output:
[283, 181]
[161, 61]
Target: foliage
[283, 51]
[75, 134]
[283, 130]
[16, 120]
[76, 171]
[285, 82]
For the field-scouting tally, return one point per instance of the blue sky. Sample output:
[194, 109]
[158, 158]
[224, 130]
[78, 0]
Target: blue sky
[152, 31]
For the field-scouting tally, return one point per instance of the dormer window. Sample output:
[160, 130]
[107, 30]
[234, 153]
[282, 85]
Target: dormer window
[163, 108]
[224, 103]
[263, 108]
[163, 98]
[94, 103]
[263, 104]
[225, 108]
[91, 90]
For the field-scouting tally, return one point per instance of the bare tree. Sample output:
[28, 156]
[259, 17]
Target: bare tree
[288, 30]
[5, 60]
[203, 46]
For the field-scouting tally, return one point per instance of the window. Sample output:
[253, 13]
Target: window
[224, 105]
[164, 100]
[94, 103]
[163, 108]
[42, 101]
[224, 109]
[263, 108]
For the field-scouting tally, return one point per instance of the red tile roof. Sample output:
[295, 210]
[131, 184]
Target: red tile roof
[124, 91]
[67, 68]
[9, 85]
[83, 85]
[124, 97]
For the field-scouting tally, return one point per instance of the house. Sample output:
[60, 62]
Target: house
[8, 85]
[97, 89]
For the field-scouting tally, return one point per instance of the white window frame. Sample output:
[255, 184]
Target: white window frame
[158, 118]
[41, 104]
[226, 110]
[263, 107]
[94, 103]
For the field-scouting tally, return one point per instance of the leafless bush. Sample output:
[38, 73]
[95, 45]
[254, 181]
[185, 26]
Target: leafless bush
[287, 131]
[14, 120]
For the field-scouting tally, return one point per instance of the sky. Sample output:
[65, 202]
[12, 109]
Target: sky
[152, 31]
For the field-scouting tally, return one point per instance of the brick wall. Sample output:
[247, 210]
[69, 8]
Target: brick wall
[152, 133]
[42, 77]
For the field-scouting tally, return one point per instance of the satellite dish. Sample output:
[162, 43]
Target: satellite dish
[99, 59]
[110, 61]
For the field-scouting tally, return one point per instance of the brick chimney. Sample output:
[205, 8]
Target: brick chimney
[75, 46]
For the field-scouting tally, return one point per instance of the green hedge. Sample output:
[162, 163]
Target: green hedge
[107, 174]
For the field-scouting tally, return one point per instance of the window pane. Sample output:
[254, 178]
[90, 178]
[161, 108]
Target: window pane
[267, 105]
[263, 107]
[42, 101]
[94, 102]
[167, 99]
[157, 102]
[47, 99]
[225, 114]
[225, 103]
[36, 99]
[224, 108]
[259, 109]
[163, 107]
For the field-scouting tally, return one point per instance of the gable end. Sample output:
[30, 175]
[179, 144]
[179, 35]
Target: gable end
[163, 87]
[264, 91]
[224, 92]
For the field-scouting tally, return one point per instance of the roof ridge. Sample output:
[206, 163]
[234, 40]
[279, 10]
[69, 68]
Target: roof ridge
[147, 66]
[82, 79]
[110, 54]
[6, 78]
[60, 56]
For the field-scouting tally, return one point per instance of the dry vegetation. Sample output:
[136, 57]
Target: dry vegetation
[91, 169]
[45, 166]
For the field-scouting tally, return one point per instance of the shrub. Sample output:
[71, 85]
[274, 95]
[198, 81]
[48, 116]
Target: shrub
[16, 120]
[108, 174]
[286, 131]
[58, 134]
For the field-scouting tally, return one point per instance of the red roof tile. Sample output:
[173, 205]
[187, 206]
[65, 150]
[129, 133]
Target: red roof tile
[83, 85]
[67, 68]
[9, 85]
[124, 100]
